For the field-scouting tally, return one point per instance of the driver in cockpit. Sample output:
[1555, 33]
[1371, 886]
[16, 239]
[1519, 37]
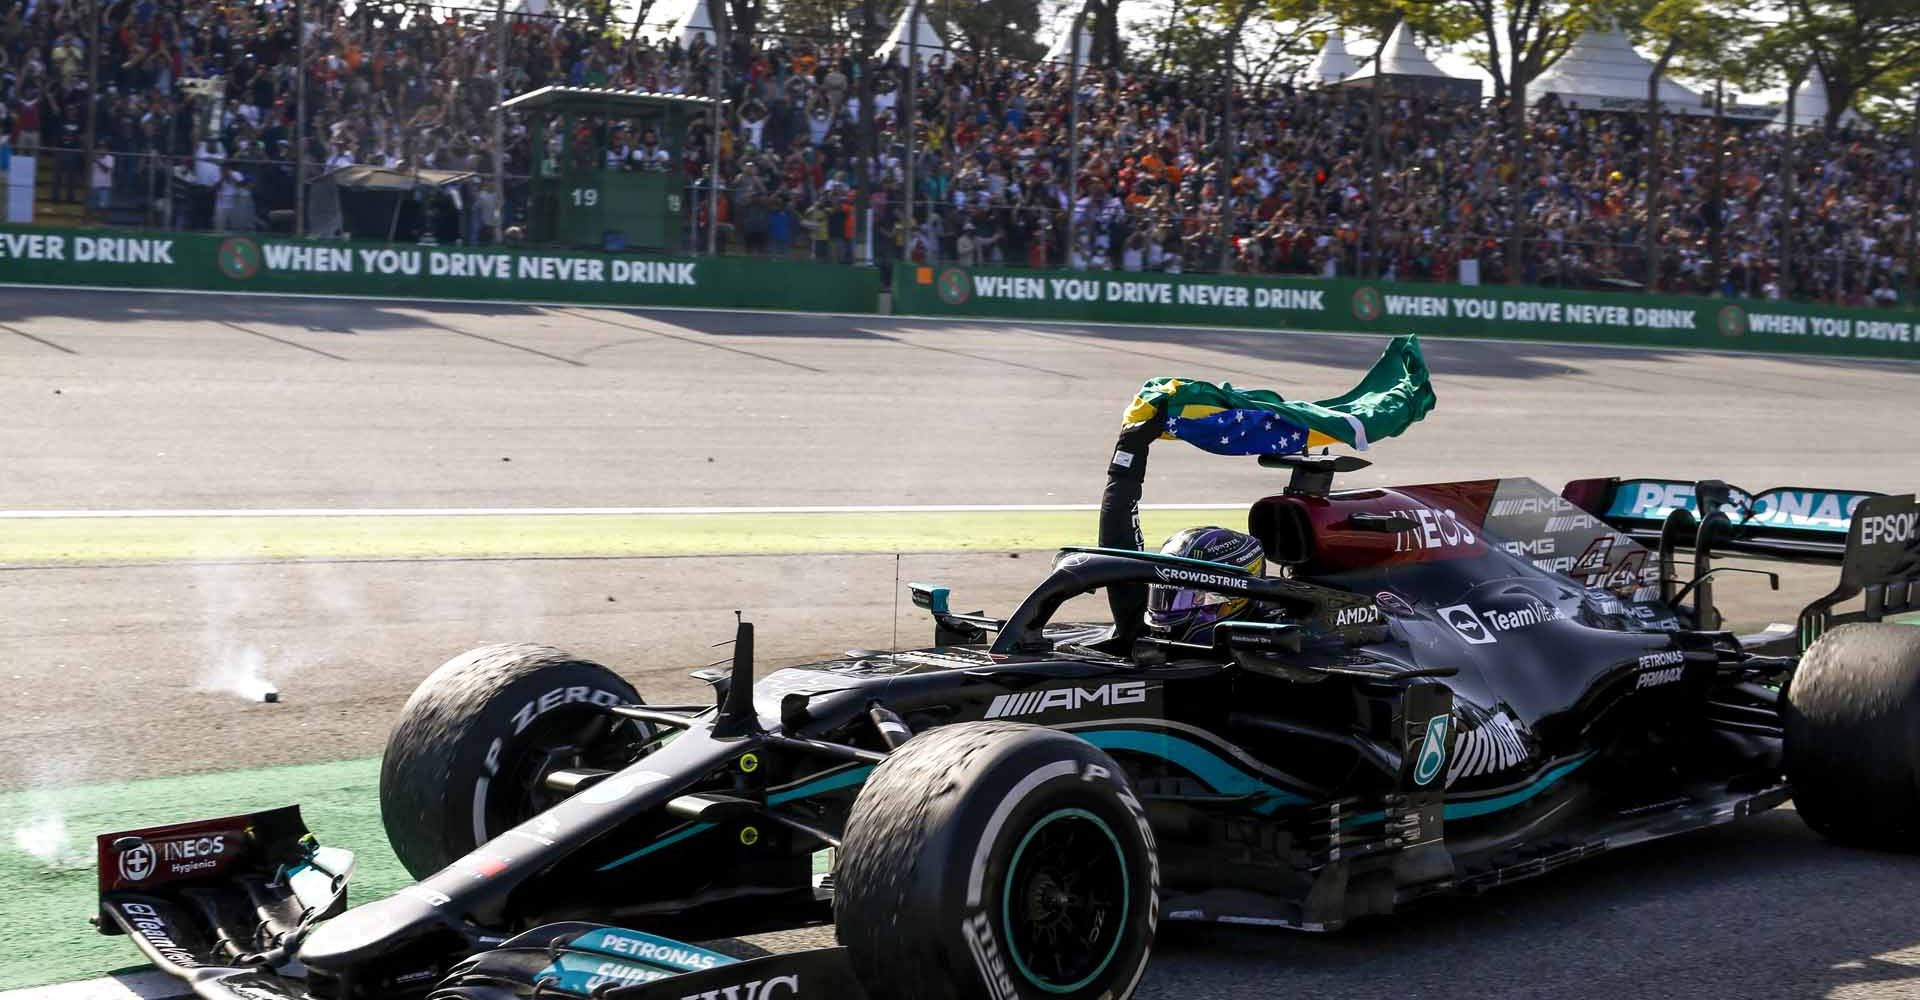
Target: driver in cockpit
[1190, 616]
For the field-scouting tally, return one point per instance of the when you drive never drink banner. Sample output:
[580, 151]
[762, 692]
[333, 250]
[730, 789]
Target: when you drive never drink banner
[197, 262]
[212, 263]
[1389, 308]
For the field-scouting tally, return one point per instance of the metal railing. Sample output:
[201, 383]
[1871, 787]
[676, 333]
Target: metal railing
[254, 194]
[1379, 151]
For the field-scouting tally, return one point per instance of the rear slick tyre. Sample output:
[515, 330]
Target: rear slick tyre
[997, 861]
[1852, 718]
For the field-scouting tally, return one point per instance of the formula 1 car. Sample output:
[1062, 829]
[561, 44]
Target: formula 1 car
[1456, 686]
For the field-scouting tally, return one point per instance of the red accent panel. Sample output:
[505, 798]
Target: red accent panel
[1447, 518]
[482, 865]
[175, 853]
[1590, 495]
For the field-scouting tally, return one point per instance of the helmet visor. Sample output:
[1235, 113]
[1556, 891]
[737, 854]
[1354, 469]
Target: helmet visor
[1173, 600]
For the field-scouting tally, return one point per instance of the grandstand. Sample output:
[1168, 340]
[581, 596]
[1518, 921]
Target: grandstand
[196, 126]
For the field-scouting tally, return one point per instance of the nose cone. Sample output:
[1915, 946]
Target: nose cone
[371, 932]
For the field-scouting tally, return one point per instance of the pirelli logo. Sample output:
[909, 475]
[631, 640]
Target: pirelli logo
[1068, 699]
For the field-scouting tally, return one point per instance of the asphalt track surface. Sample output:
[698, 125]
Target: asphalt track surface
[134, 401]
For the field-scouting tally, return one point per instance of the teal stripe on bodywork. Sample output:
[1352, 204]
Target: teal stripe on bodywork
[1482, 807]
[584, 974]
[667, 841]
[821, 786]
[1204, 764]
[620, 957]
[650, 949]
[1214, 771]
[1160, 557]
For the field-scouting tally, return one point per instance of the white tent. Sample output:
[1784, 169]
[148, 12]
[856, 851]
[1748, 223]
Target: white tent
[1402, 64]
[926, 41]
[1057, 53]
[684, 20]
[1402, 56]
[1333, 64]
[1602, 72]
[1811, 105]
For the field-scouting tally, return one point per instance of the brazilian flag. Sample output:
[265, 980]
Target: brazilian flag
[1229, 421]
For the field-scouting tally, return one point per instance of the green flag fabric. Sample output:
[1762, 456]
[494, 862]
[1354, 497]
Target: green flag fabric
[1396, 393]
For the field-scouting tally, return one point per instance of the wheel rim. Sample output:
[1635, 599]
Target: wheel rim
[1066, 901]
[557, 741]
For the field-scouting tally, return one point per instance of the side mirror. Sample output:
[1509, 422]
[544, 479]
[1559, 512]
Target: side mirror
[929, 596]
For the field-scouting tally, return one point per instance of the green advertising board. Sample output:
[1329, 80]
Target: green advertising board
[211, 263]
[197, 262]
[1389, 308]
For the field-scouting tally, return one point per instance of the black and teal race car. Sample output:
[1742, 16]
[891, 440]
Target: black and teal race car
[1452, 686]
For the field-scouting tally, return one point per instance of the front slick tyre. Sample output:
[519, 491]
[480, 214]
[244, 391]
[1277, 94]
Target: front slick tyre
[1852, 718]
[465, 760]
[995, 861]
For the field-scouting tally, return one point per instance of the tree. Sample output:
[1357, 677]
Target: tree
[1711, 39]
[1868, 50]
[1190, 42]
[1002, 27]
[744, 16]
[1708, 39]
[1520, 39]
[813, 18]
[1273, 37]
[1105, 30]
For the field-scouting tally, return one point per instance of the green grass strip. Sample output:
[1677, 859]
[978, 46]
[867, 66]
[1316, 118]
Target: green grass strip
[173, 539]
[47, 875]
[47, 859]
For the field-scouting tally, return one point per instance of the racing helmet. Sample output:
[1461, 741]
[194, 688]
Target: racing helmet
[1190, 615]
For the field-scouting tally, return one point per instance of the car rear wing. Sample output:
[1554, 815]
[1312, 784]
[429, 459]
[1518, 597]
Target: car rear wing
[1786, 521]
[1874, 537]
[1881, 567]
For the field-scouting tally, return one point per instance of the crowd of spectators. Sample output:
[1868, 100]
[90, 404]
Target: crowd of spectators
[195, 128]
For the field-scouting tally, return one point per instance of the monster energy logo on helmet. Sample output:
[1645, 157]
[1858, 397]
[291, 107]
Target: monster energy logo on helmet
[1180, 606]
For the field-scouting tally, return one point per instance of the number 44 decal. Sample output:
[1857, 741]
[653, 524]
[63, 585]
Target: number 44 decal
[1592, 564]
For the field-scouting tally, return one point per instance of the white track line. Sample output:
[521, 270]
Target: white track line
[985, 508]
[146, 984]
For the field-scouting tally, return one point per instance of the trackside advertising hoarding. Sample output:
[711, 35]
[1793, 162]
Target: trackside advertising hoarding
[1388, 308]
[212, 263]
